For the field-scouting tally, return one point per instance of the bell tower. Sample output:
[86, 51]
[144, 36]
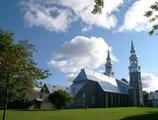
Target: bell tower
[108, 66]
[135, 78]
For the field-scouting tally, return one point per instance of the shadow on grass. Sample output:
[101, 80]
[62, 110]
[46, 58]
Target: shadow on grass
[147, 116]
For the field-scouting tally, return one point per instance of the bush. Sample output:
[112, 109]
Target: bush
[60, 99]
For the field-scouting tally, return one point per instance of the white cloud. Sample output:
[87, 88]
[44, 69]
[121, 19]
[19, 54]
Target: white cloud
[134, 17]
[149, 81]
[51, 18]
[81, 52]
[87, 28]
[70, 77]
[83, 9]
[40, 13]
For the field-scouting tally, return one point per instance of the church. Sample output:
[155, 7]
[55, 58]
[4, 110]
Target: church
[97, 90]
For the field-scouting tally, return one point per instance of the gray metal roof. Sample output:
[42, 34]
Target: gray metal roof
[153, 96]
[123, 86]
[108, 84]
[74, 88]
[53, 88]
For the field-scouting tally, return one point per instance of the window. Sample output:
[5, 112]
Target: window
[153, 97]
[84, 95]
[93, 99]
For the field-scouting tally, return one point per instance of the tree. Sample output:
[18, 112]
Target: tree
[145, 98]
[60, 99]
[18, 71]
[99, 4]
[153, 17]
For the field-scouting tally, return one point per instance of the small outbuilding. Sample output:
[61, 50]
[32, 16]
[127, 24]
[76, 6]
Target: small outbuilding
[153, 98]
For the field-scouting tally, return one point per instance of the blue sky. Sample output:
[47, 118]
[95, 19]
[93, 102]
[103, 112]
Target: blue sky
[67, 36]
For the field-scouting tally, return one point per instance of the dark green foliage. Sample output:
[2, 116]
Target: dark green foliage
[155, 6]
[147, 103]
[99, 4]
[19, 104]
[60, 99]
[148, 13]
[18, 71]
[153, 17]
[145, 98]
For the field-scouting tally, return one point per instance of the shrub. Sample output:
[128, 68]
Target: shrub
[60, 99]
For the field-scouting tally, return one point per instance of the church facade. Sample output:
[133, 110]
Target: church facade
[92, 89]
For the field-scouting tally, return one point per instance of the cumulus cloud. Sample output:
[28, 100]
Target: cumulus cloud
[134, 17]
[70, 77]
[51, 18]
[149, 81]
[57, 15]
[83, 10]
[81, 52]
[104, 20]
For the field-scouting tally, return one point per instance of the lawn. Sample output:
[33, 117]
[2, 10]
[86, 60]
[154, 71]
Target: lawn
[132, 113]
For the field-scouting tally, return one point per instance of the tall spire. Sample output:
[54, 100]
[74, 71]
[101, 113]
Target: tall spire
[133, 60]
[108, 57]
[132, 47]
[108, 66]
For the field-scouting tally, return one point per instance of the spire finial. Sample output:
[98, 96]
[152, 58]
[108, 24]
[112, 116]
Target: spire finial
[108, 54]
[108, 57]
[132, 47]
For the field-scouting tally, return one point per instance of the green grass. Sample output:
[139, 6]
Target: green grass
[132, 113]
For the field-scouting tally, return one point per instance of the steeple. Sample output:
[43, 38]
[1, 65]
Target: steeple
[108, 57]
[133, 60]
[136, 95]
[132, 47]
[108, 66]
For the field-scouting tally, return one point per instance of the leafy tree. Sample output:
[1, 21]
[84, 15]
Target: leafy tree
[153, 17]
[145, 98]
[99, 4]
[18, 71]
[60, 99]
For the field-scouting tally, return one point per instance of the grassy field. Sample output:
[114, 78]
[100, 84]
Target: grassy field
[89, 114]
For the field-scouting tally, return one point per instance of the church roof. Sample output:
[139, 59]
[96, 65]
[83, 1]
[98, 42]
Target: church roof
[153, 96]
[74, 88]
[108, 84]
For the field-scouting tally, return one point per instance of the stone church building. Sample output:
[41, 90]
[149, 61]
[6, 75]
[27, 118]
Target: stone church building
[92, 89]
